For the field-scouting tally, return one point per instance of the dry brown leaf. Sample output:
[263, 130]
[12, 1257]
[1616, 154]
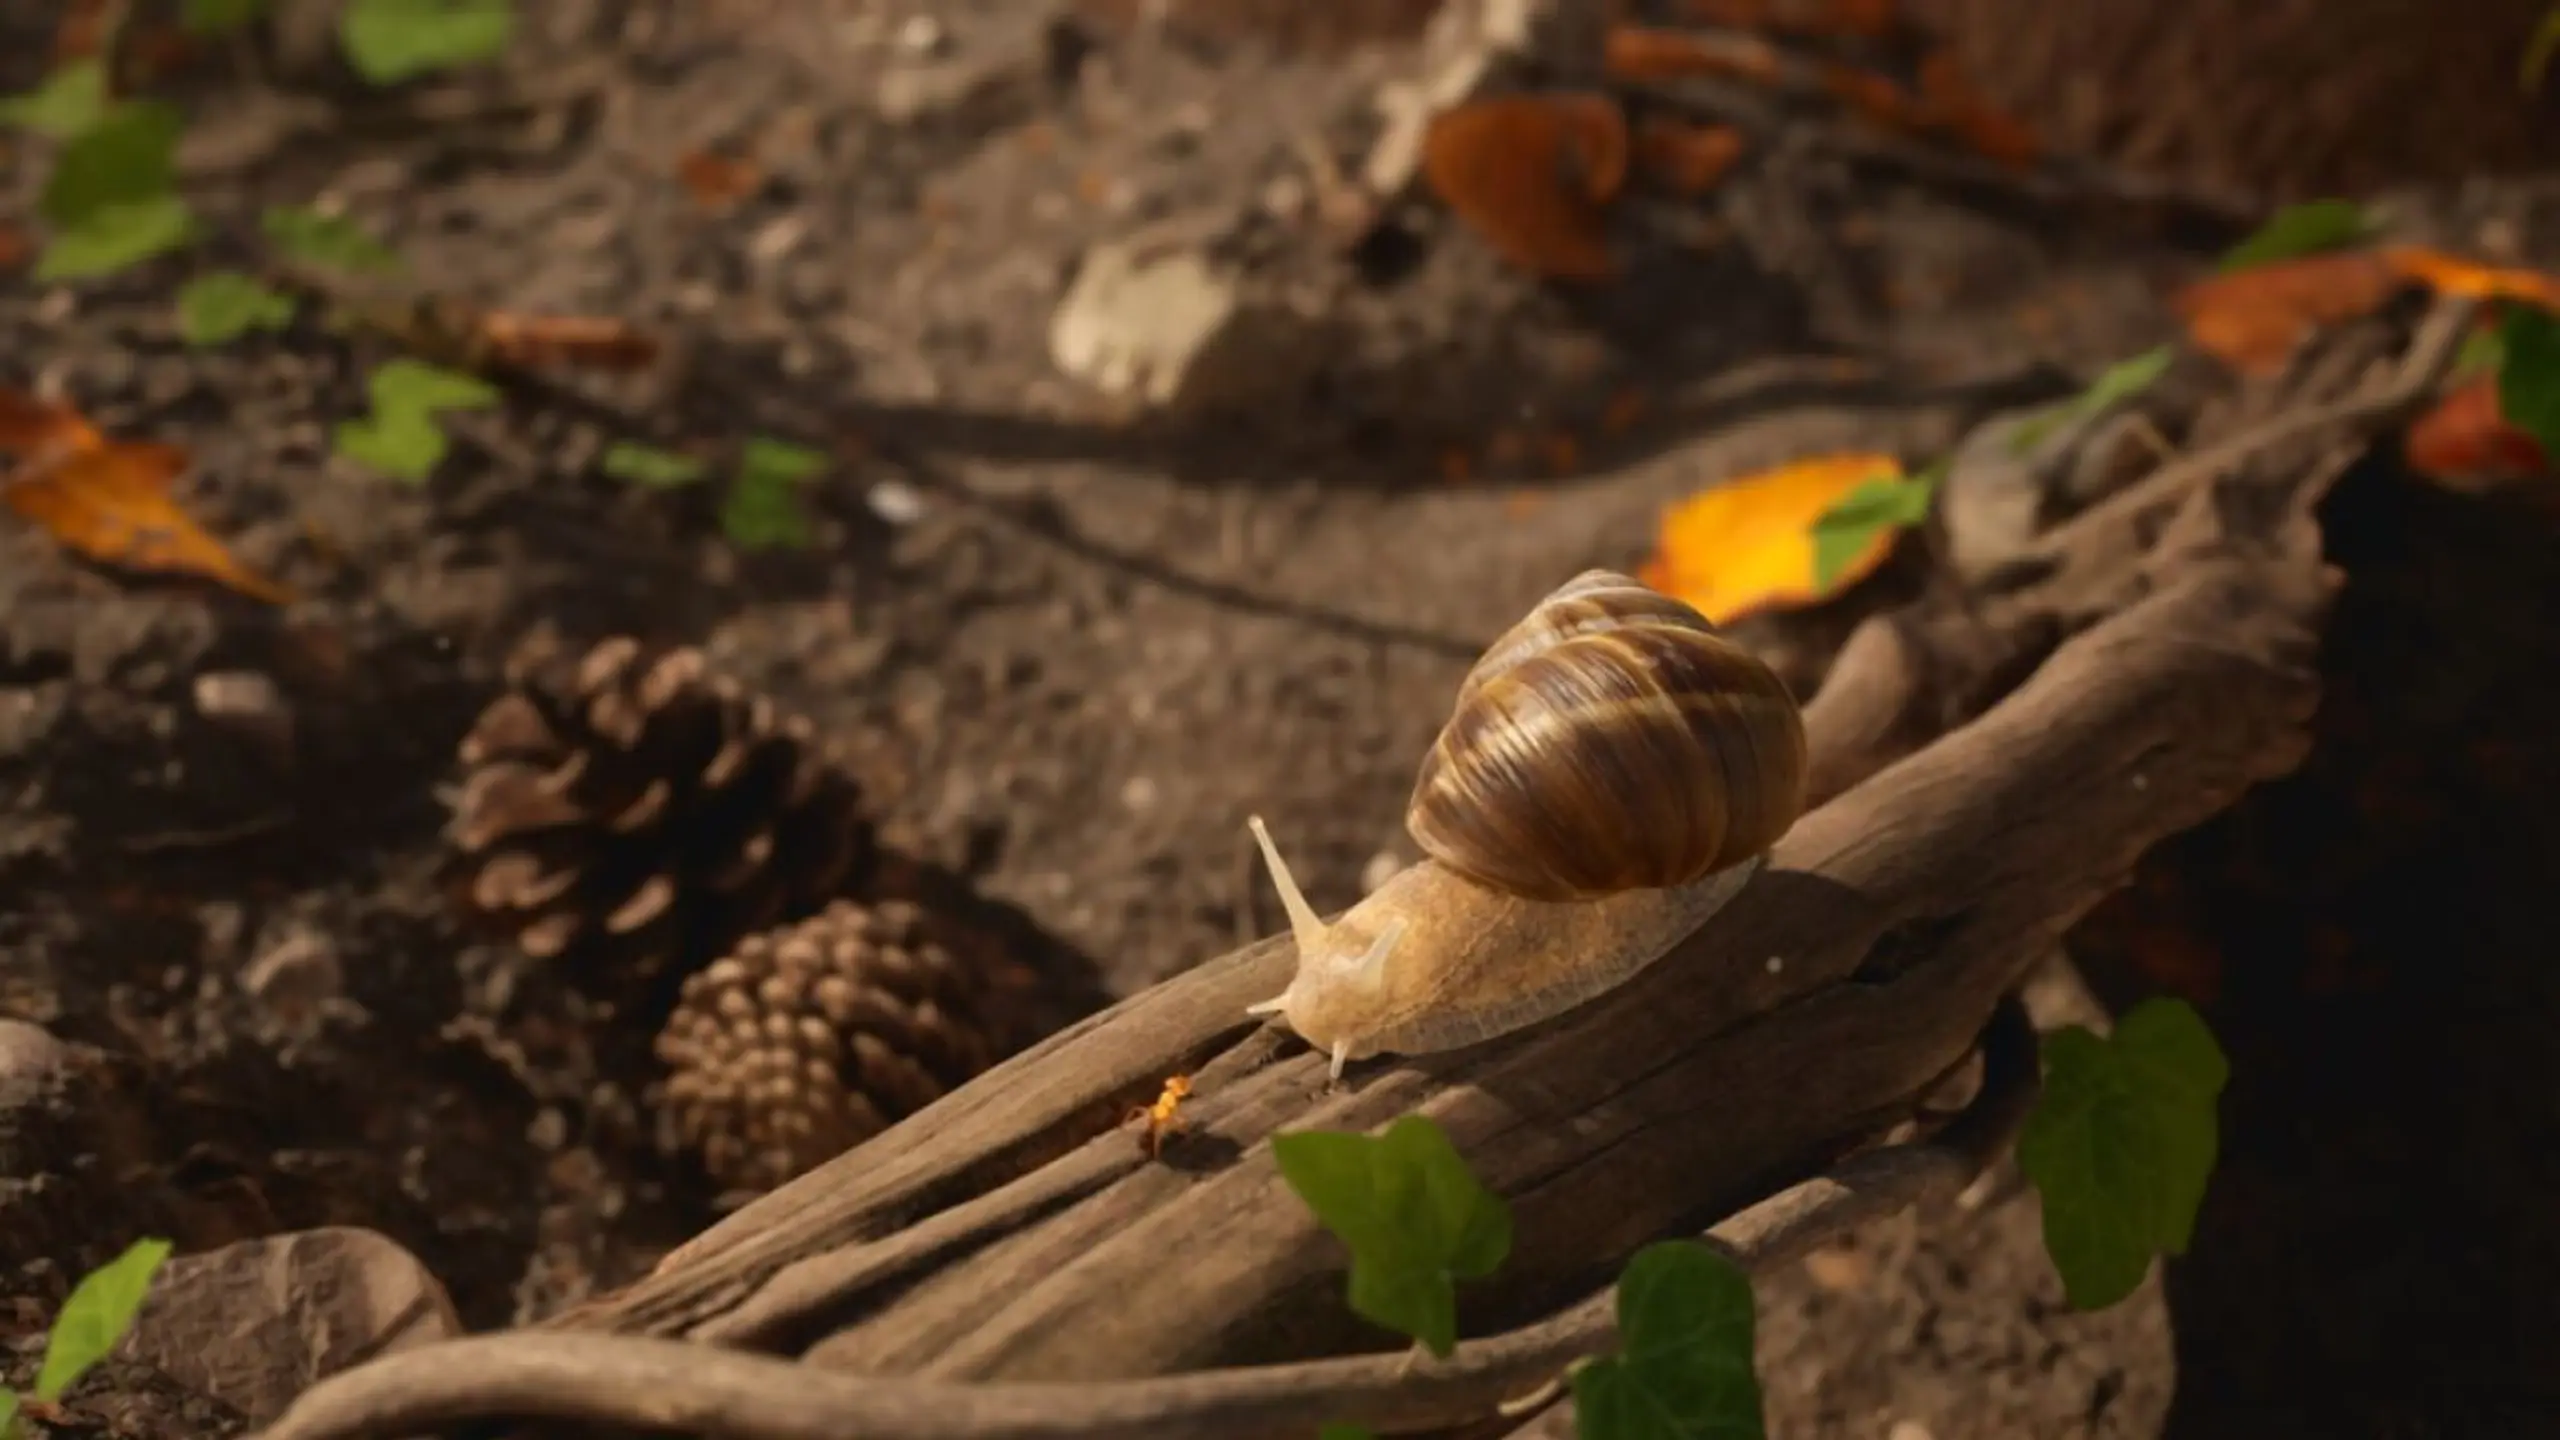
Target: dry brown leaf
[1685, 158]
[587, 342]
[1531, 174]
[1646, 52]
[2252, 319]
[719, 181]
[110, 500]
[2466, 443]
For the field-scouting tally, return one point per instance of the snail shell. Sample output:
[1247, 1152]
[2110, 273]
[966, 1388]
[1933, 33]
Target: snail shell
[1610, 775]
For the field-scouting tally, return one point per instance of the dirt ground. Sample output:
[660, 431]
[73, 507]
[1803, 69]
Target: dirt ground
[1086, 647]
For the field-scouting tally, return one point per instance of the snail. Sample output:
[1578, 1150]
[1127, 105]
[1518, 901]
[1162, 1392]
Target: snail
[1613, 772]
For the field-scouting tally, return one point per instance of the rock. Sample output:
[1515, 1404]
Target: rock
[254, 1324]
[249, 705]
[1175, 330]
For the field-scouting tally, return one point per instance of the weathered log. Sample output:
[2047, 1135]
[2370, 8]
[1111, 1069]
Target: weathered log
[1995, 763]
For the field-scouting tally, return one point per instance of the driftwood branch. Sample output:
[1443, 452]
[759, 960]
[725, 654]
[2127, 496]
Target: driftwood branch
[729, 1395]
[1994, 763]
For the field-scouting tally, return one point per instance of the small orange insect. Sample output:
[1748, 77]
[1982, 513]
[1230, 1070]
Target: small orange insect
[1161, 1121]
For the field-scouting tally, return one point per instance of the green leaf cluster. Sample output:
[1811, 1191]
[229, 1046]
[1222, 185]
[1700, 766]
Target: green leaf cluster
[2121, 1143]
[400, 437]
[111, 201]
[92, 1323]
[1849, 527]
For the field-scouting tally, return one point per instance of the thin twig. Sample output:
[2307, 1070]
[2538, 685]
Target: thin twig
[728, 1395]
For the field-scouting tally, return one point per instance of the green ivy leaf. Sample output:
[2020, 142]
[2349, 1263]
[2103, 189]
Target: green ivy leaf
[648, 465]
[70, 100]
[389, 41]
[332, 242]
[401, 437]
[128, 154]
[2121, 1144]
[763, 508]
[1414, 1218]
[1844, 531]
[97, 1316]
[2116, 384]
[1683, 1370]
[220, 17]
[402, 445]
[2529, 373]
[115, 237]
[418, 388]
[2296, 230]
[8, 1413]
[219, 308]
[1336, 1430]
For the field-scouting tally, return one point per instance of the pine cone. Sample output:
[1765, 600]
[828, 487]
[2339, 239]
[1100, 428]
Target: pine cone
[809, 1039]
[632, 816]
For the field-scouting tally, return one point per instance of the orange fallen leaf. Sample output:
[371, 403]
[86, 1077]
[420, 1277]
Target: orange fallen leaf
[1748, 545]
[591, 342]
[1686, 158]
[2466, 442]
[2449, 274]
[1530, 174]
[2252, 319]
[718, 180]
[1645, 52]
[110, 500]
[15, 247]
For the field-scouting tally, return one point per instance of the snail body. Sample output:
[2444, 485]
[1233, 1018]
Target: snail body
[1612, 773]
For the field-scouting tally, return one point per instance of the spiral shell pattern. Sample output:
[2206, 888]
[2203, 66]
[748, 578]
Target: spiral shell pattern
[1612, 740]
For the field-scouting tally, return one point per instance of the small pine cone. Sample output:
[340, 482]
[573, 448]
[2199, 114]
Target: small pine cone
[810, 1039]
[632, 816]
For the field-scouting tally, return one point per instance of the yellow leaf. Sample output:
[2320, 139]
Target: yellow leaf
[1748, 545]
[110, 500]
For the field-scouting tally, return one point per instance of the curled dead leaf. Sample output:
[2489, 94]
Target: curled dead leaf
[1532, 175]
[2252, 319]
[1686, 158]
[109, 500]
